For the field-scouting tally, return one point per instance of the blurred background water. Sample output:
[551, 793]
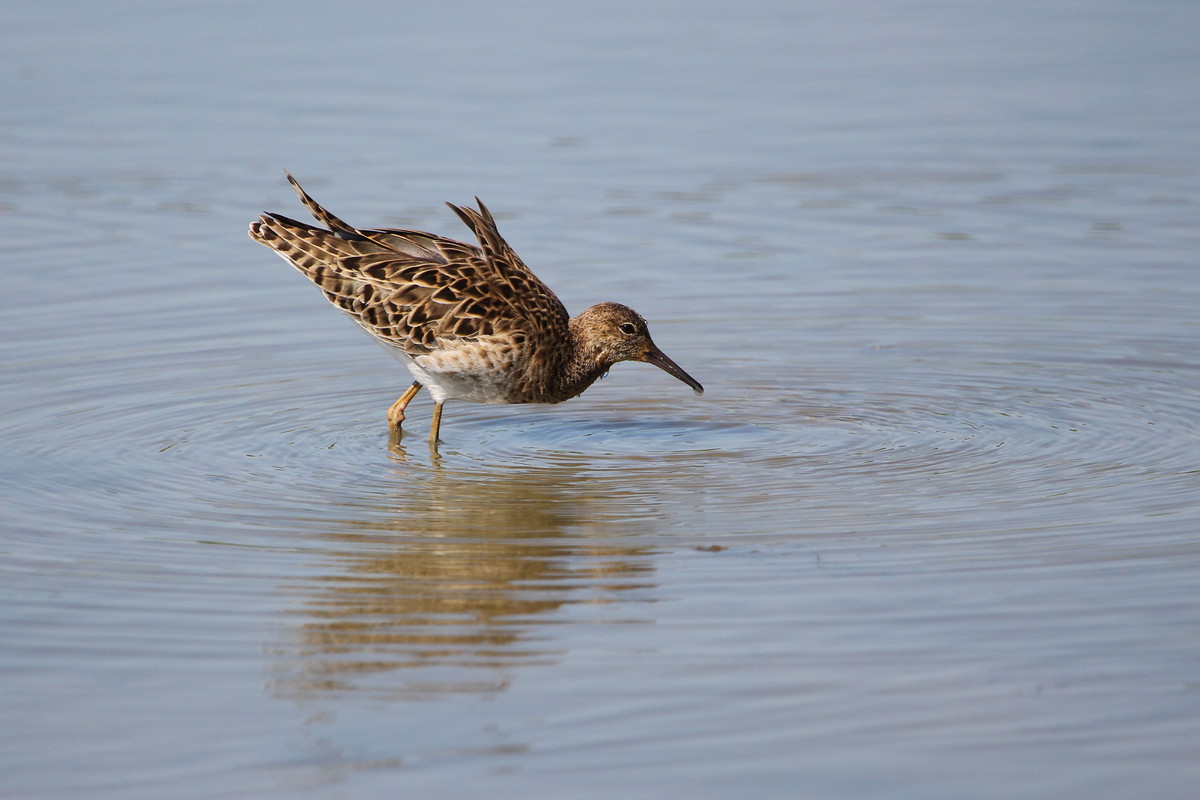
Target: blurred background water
[930, 533]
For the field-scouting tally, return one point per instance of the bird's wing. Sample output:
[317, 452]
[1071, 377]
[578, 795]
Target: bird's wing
[415, 290]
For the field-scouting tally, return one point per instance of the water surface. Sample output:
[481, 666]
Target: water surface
[930, 532]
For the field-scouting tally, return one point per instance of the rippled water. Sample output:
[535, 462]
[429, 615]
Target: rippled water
[931, 531]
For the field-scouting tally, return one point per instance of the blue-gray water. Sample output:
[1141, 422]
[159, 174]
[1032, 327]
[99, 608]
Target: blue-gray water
[932, 532]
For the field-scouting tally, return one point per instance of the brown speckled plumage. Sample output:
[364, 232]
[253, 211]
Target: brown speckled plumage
[470, 322]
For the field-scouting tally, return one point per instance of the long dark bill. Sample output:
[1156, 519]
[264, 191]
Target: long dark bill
[659, 359]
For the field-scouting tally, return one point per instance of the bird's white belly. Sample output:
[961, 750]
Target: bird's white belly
[456, 377]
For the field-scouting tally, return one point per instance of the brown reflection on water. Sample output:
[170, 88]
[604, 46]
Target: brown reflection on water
[453, 581]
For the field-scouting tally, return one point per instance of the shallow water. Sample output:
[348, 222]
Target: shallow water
[930, 532]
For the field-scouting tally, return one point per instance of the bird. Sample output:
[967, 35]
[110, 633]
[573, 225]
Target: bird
[469, 321]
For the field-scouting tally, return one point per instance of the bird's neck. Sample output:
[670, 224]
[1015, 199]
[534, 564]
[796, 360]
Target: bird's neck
[582, 364]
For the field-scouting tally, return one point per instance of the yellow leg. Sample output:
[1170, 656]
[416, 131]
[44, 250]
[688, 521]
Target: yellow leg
[437, 423]
[395, 414]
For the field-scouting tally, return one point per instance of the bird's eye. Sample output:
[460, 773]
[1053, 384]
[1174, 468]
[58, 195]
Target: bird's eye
[627, 328]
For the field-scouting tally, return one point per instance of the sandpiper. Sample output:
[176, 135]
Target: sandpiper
[469, 322]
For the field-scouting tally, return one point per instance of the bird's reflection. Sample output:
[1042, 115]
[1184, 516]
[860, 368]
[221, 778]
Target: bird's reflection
[452, 581]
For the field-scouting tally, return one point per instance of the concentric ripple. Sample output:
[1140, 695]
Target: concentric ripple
[963, 444]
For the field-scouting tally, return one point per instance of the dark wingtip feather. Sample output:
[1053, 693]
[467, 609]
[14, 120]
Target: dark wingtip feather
[320, 214]
[483, 211]
[464, 215]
